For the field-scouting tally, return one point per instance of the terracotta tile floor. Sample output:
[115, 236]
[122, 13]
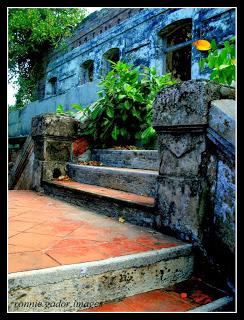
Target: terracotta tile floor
[153, 301]
[180, 297]
[44, 232]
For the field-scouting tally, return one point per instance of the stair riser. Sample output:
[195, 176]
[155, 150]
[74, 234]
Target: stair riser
[146, 159]
[135, 214]
[93, 289]
[142, 184]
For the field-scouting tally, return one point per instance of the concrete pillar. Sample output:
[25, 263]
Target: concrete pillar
[180, 118]
[53, 136]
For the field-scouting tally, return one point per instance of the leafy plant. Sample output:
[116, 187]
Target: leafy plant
[31, 32]
[60, 110]
[123, 113]
[221, 62]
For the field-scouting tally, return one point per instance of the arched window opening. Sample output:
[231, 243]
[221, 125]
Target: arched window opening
[111, 55]
[52, 84]
[177, 45]
[87, 70]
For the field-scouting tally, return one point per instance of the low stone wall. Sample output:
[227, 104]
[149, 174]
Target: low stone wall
[195, 124]
[221, 179]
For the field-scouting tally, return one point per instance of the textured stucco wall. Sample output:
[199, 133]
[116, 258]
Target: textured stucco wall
[139, 43]
[195, 122]
[221, 178]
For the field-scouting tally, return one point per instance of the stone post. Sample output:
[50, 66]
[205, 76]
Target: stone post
[180, 118]
[53, 136]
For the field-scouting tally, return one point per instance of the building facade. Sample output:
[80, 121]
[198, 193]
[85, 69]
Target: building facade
[153, 37]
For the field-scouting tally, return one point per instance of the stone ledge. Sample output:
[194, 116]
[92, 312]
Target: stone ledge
[50, 124]
[222, 119]
[186, 104]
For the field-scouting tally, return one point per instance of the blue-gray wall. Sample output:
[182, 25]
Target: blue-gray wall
[139, 42]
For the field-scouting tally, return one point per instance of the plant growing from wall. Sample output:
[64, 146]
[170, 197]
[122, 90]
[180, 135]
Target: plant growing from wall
[221, 62]
[31, 32]
[123, 113]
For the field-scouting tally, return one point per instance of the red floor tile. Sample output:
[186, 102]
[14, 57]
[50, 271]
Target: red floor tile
[111, 307]
[153, 301]
[33, 240]
[29, 261]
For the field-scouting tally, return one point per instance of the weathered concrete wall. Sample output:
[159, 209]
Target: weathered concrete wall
[221, 179]
[19, 122]
[196, 185]
[146, 48]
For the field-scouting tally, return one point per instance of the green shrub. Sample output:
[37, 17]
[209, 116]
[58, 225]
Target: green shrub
[123, 113]
[221, 62]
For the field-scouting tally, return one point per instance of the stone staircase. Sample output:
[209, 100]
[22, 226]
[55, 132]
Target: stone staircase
[113, 189]
[97, 248]
[124, 187]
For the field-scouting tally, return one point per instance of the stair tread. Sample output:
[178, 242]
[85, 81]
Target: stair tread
[118, 169]
[107, 192]
[66, 234]
[196, 294]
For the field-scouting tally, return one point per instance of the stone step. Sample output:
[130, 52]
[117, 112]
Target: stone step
[193, 295]
[142, 182]
[135, 159]
[136, 209]
[67, 257]
[76, 256]
[96, 282]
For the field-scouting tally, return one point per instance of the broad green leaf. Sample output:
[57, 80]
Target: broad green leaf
[77, 106]
[60, 109]
[213, 45]
[96, 112]
[147, 133]
[121, 96]
[123, 132]
[115, 133]
[110, 112]
[124, 116]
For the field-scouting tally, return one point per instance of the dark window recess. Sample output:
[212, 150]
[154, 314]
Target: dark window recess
[112, 55]
[101, 31]
[85, 40]
[93, 34]
[79, 43]
[41, 89]
[118, 21]
[87, 70]
[53, 85]
[178, 60]
[106, 28]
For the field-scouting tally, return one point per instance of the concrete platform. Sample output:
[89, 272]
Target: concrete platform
[58, 251]
[45, 232]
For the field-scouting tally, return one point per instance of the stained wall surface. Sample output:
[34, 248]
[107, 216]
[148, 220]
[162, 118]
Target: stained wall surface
[139, 35]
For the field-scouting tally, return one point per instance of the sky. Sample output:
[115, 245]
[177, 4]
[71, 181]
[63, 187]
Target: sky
[12, 90]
